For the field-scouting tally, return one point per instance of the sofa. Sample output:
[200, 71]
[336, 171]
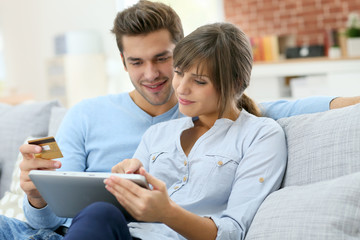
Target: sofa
[319, 197]
[18, 124]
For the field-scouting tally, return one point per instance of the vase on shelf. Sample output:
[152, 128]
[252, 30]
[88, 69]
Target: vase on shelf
[353, 47]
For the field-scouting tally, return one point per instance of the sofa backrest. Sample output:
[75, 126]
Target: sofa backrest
[16, 124]
[322, 146]
[320, 195]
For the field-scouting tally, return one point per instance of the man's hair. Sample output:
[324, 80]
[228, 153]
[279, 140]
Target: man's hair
[145, 17]
[225, 52]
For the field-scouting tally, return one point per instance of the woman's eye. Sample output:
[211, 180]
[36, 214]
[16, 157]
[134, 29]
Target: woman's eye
[200, 82]
[178, 72]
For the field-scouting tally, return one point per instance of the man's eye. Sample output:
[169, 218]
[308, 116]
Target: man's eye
[135, 63]
[162, 59]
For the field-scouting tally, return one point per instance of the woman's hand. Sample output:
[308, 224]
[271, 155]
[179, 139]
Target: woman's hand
[143, 204]
[127, 166]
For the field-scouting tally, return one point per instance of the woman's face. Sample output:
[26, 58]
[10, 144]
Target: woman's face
[196, 94]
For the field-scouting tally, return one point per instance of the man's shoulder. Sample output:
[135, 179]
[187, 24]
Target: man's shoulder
[104, 100]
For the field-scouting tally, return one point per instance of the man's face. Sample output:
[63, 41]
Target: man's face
[149, 61]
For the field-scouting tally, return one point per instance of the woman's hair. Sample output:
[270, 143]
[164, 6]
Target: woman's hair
[145, 17]
[226, 53]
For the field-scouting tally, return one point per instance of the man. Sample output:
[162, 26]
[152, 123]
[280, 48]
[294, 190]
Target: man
[98, 133]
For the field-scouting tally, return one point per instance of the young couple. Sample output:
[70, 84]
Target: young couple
[209, 171]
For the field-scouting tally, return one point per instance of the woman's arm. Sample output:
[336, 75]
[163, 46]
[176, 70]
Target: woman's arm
[259, 173]
[156, 206]
[190, 225]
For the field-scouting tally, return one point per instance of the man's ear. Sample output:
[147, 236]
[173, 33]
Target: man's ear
[123, 60]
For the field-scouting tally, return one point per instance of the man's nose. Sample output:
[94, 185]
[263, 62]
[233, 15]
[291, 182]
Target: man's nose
[151, 71]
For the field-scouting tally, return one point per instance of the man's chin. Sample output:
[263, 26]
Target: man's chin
[158, 99]
[158, 102]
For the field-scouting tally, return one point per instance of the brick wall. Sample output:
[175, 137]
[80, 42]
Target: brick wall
[307, 19]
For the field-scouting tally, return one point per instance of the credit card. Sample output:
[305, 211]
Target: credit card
[50, 149]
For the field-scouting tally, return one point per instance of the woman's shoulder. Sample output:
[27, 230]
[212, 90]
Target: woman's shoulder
[164, 132]
[252, 123]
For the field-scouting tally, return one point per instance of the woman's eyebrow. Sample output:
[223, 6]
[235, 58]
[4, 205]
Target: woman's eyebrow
[199, 75]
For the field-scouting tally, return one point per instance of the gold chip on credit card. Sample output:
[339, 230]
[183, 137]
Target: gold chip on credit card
[50, 149]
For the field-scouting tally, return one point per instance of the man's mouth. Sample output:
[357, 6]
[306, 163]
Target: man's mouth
[155, 87]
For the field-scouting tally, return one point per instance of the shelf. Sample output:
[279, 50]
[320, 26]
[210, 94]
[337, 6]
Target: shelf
[296, 78]
[301, 67]
[16, 99]
[314, 59]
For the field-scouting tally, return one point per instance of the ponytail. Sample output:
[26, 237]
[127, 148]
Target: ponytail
[249, 105]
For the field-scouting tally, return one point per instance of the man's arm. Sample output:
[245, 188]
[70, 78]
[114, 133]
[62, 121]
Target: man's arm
[287, 108]
[341, 102]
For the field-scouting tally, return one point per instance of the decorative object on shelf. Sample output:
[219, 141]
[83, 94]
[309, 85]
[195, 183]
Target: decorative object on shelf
[305, 51]
[334, 52]
[265, 48]
[353, 34]
[332, 45]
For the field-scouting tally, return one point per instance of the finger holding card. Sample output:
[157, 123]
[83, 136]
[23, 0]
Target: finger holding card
[37, 155]
[50, 149]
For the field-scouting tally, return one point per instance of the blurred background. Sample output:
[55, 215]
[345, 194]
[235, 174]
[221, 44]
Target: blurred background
[63, 49]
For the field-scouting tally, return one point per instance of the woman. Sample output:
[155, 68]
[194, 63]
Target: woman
[209, 171]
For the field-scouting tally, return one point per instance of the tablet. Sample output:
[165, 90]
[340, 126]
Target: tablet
[67, 193]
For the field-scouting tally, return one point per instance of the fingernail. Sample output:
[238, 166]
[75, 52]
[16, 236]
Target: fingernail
[57, 164]
[38, 149]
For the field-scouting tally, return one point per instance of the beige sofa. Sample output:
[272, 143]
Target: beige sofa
[319, 197]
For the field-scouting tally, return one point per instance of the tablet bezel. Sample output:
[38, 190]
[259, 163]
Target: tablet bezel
[67, 193]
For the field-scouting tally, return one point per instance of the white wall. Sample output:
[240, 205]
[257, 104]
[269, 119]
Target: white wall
[28, 28]
[194, 13]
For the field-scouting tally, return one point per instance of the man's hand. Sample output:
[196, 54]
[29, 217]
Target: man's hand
[341, 102]
[29, 163]
[127, 166]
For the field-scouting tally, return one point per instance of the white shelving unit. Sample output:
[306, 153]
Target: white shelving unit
[305, 77]
[72, 78]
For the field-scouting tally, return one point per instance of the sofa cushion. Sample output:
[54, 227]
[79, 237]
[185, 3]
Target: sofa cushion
[322, 146]
[323, 210]
[16, 124]
[4, 107]
[12, 202]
